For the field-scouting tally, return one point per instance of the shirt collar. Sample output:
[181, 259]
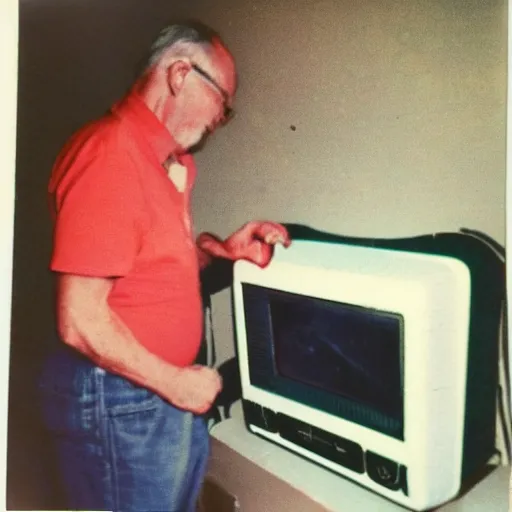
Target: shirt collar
[133, 109]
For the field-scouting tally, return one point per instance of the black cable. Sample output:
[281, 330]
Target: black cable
[212, 335]
[498, 248]
[503, 415]
[500, 251]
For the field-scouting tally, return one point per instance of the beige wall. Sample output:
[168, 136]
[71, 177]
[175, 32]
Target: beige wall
[399, 109]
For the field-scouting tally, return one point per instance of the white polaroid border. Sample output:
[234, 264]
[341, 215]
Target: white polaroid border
[8, 107]
[508, 217]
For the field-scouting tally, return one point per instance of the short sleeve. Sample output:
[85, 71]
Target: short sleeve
[98, 211]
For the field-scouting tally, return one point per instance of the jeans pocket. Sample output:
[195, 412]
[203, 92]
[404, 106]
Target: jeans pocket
[123, 397]
[68, 396]
[66, 414]
[150, 453]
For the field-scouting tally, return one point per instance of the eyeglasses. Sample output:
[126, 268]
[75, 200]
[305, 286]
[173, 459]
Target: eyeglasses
[228, 111]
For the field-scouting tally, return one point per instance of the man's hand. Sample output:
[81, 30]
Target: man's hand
[254, 242]
[194, 388]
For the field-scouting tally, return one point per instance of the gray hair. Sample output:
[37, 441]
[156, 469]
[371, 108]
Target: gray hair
[182, 39]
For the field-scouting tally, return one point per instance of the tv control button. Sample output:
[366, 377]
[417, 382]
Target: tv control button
[342, 451]
[269, 418]
[383, 471]
[403, 480]
[259, 416]
[325, 444]
[295, 431]
[305, 434]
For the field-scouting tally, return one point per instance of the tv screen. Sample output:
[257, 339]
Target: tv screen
[343, 349]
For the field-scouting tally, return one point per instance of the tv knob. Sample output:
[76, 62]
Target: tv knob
[384, 471]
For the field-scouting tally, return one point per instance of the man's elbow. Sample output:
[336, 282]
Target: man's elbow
[81, 311]
[69, 332]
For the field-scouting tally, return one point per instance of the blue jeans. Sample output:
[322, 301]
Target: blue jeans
[120, 447]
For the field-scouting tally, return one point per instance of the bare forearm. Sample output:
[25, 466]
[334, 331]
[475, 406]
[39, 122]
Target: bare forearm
[87, 323]
[203, 257]
[103, 337]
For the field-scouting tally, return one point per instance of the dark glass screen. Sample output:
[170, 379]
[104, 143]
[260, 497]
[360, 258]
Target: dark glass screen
[350, 351]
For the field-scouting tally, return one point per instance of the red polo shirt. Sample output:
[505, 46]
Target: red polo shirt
[117, 214]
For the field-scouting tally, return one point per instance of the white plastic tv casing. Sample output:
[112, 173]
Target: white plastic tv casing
[432, 293]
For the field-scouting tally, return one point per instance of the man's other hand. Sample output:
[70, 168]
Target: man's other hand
[194, 388]
[254, 242]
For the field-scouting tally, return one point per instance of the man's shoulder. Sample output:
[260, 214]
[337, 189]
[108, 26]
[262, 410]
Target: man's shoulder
[104, 131]
[105, 137]
[99, 147]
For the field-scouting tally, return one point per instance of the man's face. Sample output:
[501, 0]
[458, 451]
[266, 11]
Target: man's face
[207, 99]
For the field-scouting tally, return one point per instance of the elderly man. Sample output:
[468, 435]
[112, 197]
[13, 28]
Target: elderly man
[122, 393]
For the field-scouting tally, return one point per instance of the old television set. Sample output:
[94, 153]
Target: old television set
[375, 359]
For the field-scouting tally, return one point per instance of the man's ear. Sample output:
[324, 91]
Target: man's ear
[176, 74]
